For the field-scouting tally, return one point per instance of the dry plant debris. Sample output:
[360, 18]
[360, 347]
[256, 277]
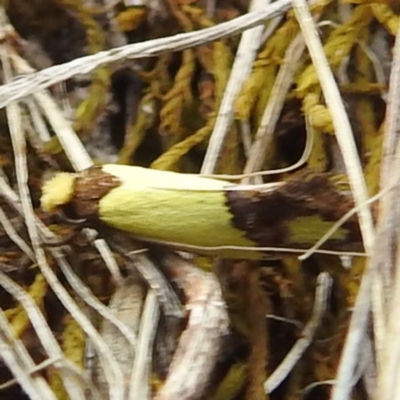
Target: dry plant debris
[229, 87]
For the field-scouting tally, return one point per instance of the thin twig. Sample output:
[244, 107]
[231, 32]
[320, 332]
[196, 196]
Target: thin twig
[47, 339]
[126, 305]
[19, 362]
[44, 364]
[381, 194]
[38, 122]
[369, 372]
[26, 85]
[340, 119]
[13, 235]
[392, 121]
[91, 300]
[200, 344]
[167, 298]
[245, 177]
[351, 160]
[245, 55]
[274, 106]
[352, 348]
[139, 386]
[324, 282]
[386, 261]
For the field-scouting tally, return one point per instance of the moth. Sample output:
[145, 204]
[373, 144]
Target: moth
[206, 215]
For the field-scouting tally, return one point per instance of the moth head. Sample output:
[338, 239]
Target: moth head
[57, 191]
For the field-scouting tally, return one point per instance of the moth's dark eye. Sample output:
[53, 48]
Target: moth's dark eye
[71, 215]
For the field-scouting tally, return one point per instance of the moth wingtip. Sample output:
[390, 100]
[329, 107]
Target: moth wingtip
[57, 191]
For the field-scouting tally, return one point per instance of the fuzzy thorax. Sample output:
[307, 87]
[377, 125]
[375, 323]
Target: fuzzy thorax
[58, 191]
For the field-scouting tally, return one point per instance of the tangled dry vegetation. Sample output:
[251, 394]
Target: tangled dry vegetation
[185, 85]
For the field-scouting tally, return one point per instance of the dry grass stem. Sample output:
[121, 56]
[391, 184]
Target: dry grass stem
[322, 292]
[207, 327]
[245, 55]
[139, 385]
[26, 85]
[273, 109]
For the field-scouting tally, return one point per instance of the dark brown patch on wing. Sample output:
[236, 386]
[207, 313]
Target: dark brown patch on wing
[90, 186]
[264, 216]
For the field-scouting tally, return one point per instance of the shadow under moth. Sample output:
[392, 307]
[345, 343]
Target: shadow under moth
[205, 215]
